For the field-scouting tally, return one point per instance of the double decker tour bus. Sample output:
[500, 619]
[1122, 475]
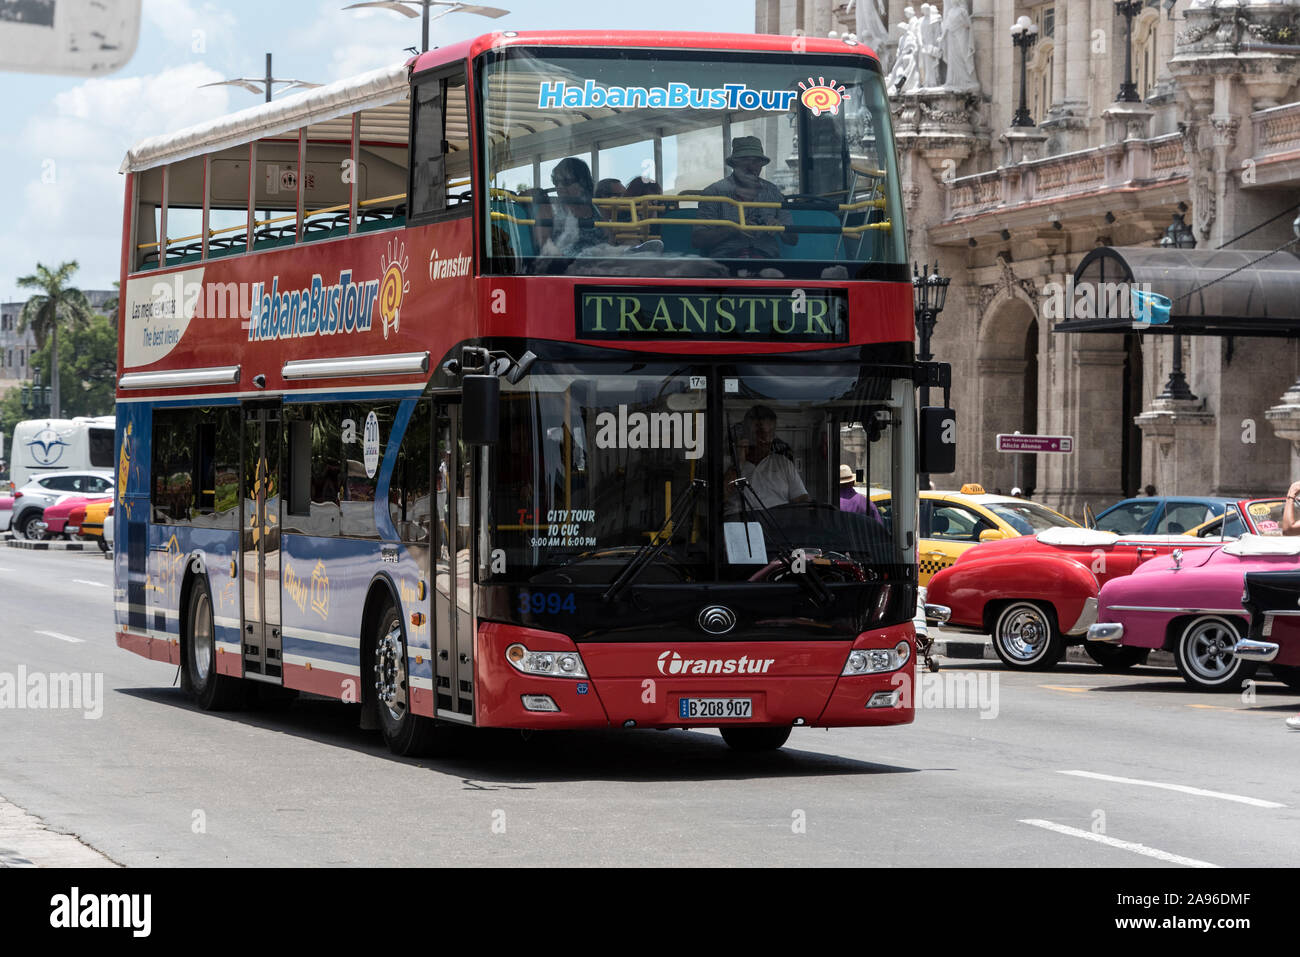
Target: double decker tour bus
[516, 386]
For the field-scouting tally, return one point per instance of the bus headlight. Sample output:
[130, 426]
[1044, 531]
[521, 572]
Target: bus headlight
[867, 661]
[552, 664]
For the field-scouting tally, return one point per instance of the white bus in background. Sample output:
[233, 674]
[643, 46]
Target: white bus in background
[43, 446]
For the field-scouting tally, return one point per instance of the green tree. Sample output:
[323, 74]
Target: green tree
[87, 367]
[55, 305]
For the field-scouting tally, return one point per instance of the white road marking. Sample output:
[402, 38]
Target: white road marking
[55, 634]
[1185, 789]
[1122, 845]
[82, 581]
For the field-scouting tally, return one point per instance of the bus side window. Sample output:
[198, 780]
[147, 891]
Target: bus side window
[173, 465]
[428, 171]
[409, 497]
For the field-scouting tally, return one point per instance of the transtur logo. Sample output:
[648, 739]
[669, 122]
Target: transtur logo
[671, 663]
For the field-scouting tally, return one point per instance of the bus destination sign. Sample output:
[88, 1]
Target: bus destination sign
[755, 315]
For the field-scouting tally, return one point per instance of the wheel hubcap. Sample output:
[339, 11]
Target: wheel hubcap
[1209, 651]
[204, 643]
[390, 673]
[1023, 634]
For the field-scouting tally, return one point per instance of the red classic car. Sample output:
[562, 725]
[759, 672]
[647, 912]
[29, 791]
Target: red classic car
[1036, 595]
[56, 516]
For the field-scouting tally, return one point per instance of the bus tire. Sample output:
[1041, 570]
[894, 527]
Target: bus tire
[1026, 638]
[212, 691]
[1203, 654]
[751, 740]
[406, 733]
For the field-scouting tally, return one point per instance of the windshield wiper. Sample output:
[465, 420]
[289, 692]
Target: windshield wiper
[647, 553]
[785, 550]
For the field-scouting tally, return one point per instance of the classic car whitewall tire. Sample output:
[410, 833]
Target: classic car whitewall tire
[1203, 654]
[1026, 638]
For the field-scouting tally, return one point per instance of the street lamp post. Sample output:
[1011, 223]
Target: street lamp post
[1024, 34]
[1128, 9]
[1178, 235]
[453, 6]
[929, 293]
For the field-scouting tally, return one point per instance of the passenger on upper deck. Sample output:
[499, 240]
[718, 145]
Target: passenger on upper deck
[566, 225]
[746, 185]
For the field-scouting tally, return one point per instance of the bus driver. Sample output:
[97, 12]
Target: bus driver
[771, 474]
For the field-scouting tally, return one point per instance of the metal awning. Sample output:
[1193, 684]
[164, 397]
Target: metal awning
[1262, 299]
[385, 87]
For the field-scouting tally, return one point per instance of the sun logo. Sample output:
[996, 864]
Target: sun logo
[822, 97]
[393, 287]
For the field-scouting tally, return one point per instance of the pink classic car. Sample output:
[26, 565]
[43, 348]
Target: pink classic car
[6, 511]
[1189, 603]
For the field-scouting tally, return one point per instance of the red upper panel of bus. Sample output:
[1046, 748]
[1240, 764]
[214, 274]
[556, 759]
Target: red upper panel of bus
[623, 39]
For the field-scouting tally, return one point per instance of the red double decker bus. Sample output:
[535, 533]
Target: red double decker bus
[527, 384]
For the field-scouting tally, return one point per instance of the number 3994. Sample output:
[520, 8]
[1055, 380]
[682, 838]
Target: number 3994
[546, 603]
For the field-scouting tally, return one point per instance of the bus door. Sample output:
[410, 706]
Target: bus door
[261, 543]
[453, 568]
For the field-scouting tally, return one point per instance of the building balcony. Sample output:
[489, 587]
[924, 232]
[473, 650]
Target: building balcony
[1070, 185]
[1275, 148]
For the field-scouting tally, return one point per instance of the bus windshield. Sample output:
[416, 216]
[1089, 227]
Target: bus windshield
[595, 460]
[654, 163]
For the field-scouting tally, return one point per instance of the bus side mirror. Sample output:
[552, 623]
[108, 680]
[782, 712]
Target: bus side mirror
[481, 409]
[937, 445]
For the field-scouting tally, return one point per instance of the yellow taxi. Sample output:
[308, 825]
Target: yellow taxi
[951, 522]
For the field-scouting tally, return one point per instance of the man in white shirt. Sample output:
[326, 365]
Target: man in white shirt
[771, 475]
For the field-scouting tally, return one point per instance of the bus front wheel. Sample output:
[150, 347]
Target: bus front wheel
[406, 733]
[755, 739]
[212, 691]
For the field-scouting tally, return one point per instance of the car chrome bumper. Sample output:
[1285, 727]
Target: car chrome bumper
[1252, 650]
[1087, 618]
[1108, 632]
[937, 613]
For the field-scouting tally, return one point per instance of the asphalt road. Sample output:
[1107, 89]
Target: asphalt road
[1068, 768]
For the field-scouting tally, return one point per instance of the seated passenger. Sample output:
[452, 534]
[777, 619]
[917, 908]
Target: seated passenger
[746, 185]
[565, 225]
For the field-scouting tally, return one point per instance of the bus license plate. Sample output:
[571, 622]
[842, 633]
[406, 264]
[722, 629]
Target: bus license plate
[702, 708]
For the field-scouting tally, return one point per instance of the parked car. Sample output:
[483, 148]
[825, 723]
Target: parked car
[87, 520]
[949, 523]
[31, 501]
[6, 512]
[1038, 594]
[1189, 603]
[1158, 515]
[56, 515]
[1272, 598]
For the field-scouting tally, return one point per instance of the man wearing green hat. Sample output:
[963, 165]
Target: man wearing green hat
[747, 186]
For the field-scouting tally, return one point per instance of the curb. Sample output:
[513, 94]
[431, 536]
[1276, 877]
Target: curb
[982, 649]
[52, 546]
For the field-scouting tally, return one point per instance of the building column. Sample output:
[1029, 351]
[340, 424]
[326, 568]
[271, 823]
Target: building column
[1178, 432]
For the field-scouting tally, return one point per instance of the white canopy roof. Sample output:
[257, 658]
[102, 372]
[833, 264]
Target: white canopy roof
[1250, 545]
[386, 85]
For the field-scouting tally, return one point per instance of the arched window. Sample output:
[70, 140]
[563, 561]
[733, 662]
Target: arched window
[1146, 61]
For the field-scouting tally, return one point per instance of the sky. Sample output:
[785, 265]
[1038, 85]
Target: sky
[66, 136]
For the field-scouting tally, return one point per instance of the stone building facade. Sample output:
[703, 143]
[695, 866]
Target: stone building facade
[1009, 212]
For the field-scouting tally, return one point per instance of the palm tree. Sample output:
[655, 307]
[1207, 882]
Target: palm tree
[56, 304]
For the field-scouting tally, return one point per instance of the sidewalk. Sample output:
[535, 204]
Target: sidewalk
[950, 644]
